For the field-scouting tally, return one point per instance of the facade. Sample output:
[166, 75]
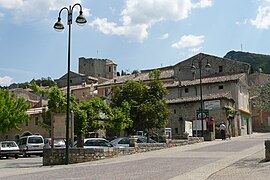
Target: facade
[105, 89]
[219, 94]
[75, 79]
[225, 85]
[260, 117]
[103, 68]
[83, 92]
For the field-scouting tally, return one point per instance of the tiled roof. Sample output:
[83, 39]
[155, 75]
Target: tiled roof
[166, 74]
[206, 80]
[76, 87]
[226, 95]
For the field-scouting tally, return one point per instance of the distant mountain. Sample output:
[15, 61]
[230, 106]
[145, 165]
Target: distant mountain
[258, 62]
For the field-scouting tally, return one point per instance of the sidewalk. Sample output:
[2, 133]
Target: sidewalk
[249, 168]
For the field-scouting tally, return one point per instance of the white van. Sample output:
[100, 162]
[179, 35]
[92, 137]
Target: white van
[31, 145]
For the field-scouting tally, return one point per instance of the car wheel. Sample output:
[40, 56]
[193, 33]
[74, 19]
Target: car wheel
[16, 156]
[6, 157]
[41, 155]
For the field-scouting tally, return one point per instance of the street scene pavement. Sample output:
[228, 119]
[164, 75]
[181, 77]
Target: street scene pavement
[238, 158]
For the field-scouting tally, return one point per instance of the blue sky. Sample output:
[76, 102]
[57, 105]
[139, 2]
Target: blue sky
[135, 34]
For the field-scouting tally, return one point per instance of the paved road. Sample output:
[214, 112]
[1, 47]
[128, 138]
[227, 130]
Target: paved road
[239, 158]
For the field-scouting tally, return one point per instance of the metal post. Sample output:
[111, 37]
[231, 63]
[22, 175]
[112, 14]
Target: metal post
[200, 68]
[59, 27]
[68, 85]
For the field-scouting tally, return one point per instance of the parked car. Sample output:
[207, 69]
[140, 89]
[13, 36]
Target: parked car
[9, 149]
[125, 141]
[58, 143]
[95, 143]
[31, 145]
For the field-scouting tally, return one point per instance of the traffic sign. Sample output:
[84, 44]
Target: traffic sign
[204, 114]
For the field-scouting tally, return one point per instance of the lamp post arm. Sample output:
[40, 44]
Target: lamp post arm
[62, 10]
[77, 4]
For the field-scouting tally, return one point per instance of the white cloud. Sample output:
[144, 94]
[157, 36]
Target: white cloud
[196, 50]
[11, 4]
[203, 4]
[262, 20]
[6, 80]
[139, 16]
[164, 36]
[188, 41]
[30, 10]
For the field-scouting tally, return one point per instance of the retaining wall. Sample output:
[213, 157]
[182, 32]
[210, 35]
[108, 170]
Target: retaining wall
[79, 155]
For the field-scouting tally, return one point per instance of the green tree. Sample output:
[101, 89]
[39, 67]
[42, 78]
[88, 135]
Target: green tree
[56, 102]
[100, 115]
[12, 111]
[148, 109]
[119, 121]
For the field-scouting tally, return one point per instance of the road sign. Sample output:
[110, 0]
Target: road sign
[204, 114]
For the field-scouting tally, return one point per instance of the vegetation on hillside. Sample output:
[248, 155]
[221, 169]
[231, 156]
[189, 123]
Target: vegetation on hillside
[258, 62]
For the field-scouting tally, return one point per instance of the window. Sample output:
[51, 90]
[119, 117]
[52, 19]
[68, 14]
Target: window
[35, 140]
[26, 123]
[36, 120]
[186, 90]
[220, 87]
[174, 111]
[109, 68]
[220, 68]
[70, 81]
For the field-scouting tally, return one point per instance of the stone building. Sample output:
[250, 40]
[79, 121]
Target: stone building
[75, 79]
[103, 68]
[260, 117]
[83, 92]
[224, 86]
[225, 77]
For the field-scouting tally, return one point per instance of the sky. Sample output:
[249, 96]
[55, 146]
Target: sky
[134, 34]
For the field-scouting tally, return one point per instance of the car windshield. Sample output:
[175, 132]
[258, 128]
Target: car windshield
[35, 140]
[59, 141]
[96, 143]
[8, 144]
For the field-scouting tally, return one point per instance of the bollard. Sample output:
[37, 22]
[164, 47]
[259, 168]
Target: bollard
[267, 150]
[133, 141]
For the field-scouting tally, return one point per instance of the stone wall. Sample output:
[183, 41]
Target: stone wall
[79, 155]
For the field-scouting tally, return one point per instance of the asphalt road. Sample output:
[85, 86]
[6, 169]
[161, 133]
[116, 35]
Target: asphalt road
[231, 159]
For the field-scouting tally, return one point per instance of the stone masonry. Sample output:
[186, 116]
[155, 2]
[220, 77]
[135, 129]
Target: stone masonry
[79, 155]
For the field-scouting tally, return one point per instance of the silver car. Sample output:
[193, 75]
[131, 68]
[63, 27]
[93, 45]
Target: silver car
[9, 149]
[125, 141]
[31, 145]
[57, 143]
[98, 143]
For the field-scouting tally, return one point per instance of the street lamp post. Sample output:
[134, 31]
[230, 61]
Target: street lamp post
[59, 27]
[193, 70]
